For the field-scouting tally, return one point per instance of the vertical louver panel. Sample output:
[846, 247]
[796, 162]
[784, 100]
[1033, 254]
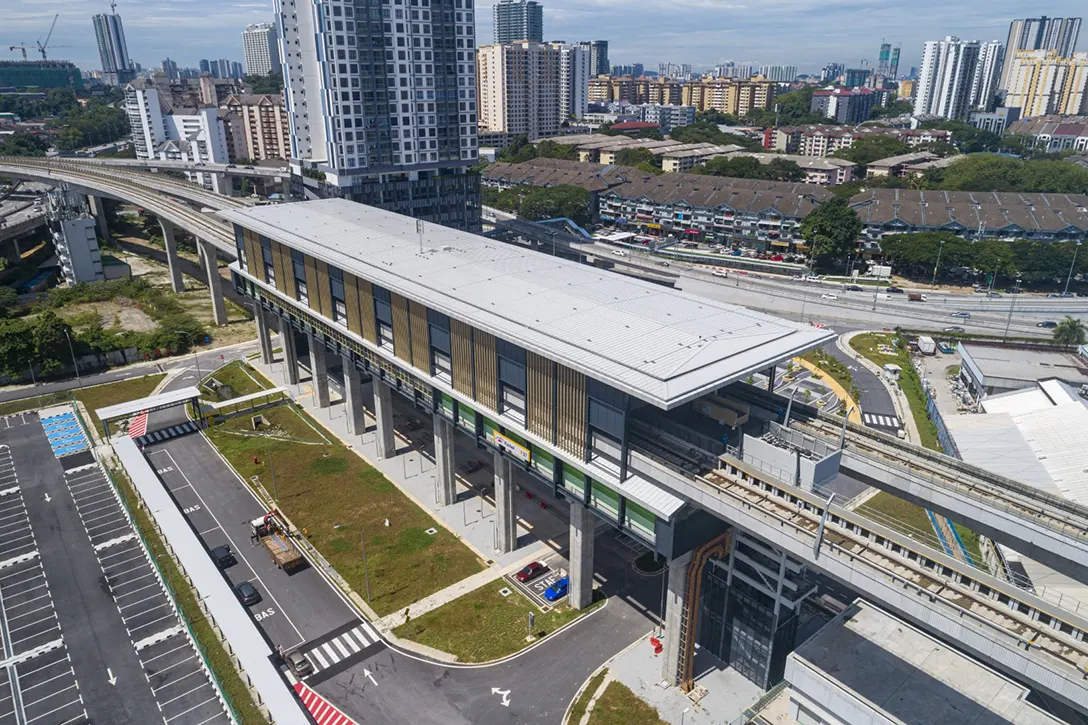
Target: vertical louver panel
[277, 264]
[402, 341]
[366, 312]
[571, 409]
[421, 345]
[311, 284]
[541, 393]
[323, 293]
[254, 256]
[486, 362]
[461, 348]
[288, 272]
[351, 301]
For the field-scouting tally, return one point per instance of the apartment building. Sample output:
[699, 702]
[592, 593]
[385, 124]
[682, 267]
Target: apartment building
[519, 88]
[821, 140]
[946, 78]
[262, 119]
[1054, 133]
[382, 105]
[574, 74]
[845, 105]
[261, 47]
[515, 20]
[1043, 33]
[598, 57]
[1042, 83]
[729, 95]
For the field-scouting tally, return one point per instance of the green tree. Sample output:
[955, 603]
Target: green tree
[16, 347]
[22, 144]
[519, 150]
[9, 299]
[636, 156]
[967, 138]
[548, 149]
[50, 343]
[749, 167]
[866, 150]
[1070, 331]
[69, 138]
[271, 83]
[831, 230]
[707, 131]
[554, 202]
[895, 108]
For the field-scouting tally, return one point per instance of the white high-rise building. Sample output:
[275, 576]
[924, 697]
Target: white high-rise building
[574, 75]
[779, 73]
[946, 77]
[1057, 34]
[112, 49]
[382, 106]
[987, 75]
[261, 46]
[519, 89]
[1042, 82]
[514, 20]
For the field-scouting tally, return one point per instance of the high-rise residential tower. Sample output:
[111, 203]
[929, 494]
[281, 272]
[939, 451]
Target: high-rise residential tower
[518, 20]
[598, 57]
[1056, 34]
[946, 78]
[262, 49]
[116, 66]
[987, 75]
[574, 75]
[519, 88]
[382, 104]
[1042, 82]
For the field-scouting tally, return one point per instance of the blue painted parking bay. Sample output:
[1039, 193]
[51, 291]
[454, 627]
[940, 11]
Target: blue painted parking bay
[64, 431]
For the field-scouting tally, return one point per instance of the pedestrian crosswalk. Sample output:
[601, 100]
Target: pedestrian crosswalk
[343, 647]
[322, 711]
[876, 420]
[166, 434]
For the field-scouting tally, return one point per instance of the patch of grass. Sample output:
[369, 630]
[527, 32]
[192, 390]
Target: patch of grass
[835, 368]
[867, 344]
[218, 659]
[238, 378]
[39, 401]
[484, 625]
[100, 396]
[970, 541]
[578, 709]
[284, 421]
[334, 495]
[912, 517]
[619, 706]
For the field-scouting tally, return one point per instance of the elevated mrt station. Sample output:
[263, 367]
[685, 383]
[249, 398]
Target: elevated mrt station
[635, 403]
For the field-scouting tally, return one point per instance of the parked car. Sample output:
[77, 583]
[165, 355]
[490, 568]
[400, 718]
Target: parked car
[530, 572]
[720, 273]
[895, 290]
[961, 315]
[954, 328]
[619, 253]
[247, 594]
[1048, 324]
[829, 296]
[558, 590]
[298, 664]
[223, 557]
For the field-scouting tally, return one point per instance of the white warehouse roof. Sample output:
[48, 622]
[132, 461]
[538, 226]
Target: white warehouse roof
[660, 345]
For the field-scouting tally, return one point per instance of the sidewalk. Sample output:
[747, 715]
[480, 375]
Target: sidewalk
[542, 520]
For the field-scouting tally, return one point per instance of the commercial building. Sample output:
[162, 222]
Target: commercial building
[169, 69]
[991, 369]
[73, 230]
[888, 61]
[844, 105]
[868, 666]
[831, 72]
[856, 77]
[519, 88]
[261, 131]
[1054, 133]
[995, 121]
[1041, 82]
[40, 74]
[515, 20]
[261, 47]
[957, 76]
[574, 74]
[396, 133]
[598, 58]
[112, 50]
[1057, 34]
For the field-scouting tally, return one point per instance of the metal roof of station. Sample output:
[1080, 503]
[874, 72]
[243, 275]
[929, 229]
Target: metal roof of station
[150, 404]
[660, 345]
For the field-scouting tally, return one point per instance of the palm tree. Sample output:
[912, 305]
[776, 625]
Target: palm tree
[1070, 331]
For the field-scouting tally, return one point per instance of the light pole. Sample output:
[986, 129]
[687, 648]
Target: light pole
[74, 363]
[1071, 265]
[196, 356]
[937, 264]
[272, 470]
[366, 572]
[1011, 306]
[994, 277]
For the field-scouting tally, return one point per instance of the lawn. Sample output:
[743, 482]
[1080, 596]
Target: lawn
[619, 706]
[912, 517]
[238, 379]
[229, 681]
[831, 365]
[337, 497]
[39, 401]
[483, 625]
[284, 421]
[578, 709]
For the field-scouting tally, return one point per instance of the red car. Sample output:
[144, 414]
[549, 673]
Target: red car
[531, 571]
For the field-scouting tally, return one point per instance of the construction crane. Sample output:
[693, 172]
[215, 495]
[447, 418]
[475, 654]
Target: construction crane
[19, 47]
[41, 45]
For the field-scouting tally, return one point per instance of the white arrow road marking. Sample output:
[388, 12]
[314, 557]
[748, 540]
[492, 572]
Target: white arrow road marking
[47, 499]
[366, 674]
[112, 680]
[505, 695]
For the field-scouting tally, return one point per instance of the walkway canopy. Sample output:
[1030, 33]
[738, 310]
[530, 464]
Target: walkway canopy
[150, 404]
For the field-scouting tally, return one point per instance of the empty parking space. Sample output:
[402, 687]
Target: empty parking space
[49, 691]
[173, 670]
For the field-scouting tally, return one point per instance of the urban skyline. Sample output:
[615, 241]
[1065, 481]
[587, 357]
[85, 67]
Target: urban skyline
[823, 34]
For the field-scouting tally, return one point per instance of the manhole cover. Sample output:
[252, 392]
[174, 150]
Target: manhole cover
[431, 531]
[505, 591]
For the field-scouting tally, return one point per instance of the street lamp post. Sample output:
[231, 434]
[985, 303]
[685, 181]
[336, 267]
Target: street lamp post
[1071, 265]
[75, 365]
[1012, 305]
[937, 264]
[272, 470]
[196, 356]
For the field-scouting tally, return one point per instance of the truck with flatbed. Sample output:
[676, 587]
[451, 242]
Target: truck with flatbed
[271, 531]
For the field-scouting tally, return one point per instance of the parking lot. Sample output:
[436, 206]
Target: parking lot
[85, 617]
[535, 588]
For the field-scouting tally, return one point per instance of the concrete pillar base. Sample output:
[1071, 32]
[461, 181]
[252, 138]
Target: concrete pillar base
[582, 530]
[506, 520]
[290, 351]
[264, 335]
[215, 282]
[674, 610]
[319, 373]
[444, 456]
[98, 211]
[176, 282]
[383, 413]
[353, 397]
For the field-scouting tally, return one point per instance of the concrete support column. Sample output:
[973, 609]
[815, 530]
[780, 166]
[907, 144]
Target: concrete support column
[98, 211]
[290, 351]
[383, 414]
[176, 282]
[319, 373]
[264, 335]
[353, 396]
[770, 377]
[583, 526]
[444, 456]
[506, 520]
[674, 609]
[215, 282]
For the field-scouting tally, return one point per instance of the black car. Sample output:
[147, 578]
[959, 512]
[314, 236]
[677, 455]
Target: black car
[223, 557]
[896, 290]
[247, 594]
[1048, 324]
[852, 288]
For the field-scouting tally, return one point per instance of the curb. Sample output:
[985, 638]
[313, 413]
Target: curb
[605, 665]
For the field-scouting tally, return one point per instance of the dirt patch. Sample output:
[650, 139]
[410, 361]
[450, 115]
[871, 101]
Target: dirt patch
[121, 313]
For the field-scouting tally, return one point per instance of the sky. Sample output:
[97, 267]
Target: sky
[805, 33]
